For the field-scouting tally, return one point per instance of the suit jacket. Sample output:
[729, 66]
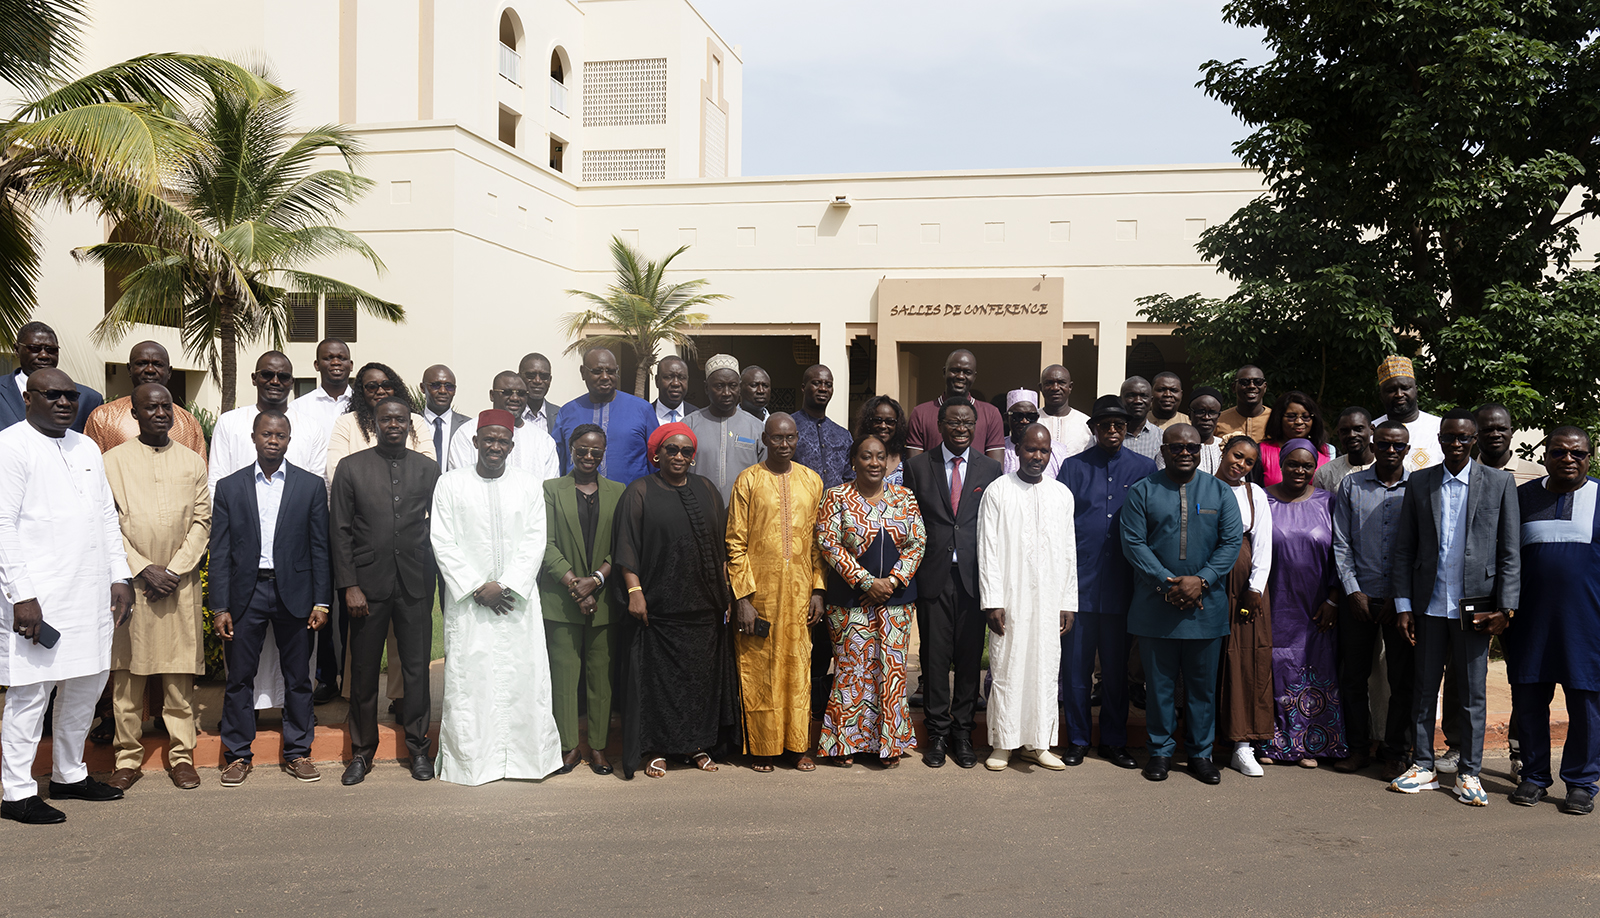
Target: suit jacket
[453, 421]
[299, 545]
[924, 475]
[1494, 538]
[379, 510]
[13, 410]
[564, 550]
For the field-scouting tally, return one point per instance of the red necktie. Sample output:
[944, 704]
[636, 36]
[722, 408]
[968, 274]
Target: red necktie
[955, 485]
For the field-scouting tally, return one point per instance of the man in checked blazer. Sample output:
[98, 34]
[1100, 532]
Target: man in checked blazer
[1457, 555]
[269, 569]
[948, 617]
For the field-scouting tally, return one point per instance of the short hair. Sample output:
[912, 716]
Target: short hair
[31, 328]
[953, 402]
[391, 400]
[583, 430]
[855, 445]
[1493, 406]
[1572, 430]
[1461, 414]
[269, 354]
[255, 424]
[333, 341]
[528, 357]
[1165, 373]
[504, 374]
[1392, 424]
[1354, 410]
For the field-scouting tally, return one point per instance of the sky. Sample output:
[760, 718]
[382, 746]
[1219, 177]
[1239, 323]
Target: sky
[841, 86]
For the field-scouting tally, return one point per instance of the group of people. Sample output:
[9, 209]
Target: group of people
[724, 575]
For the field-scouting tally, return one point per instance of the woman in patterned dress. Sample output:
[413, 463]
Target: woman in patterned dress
[1304, 592]
[872, 536]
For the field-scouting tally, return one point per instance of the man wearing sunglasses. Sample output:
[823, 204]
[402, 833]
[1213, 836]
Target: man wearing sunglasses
[534, 450]
[37, 349]
[61, 559]
[438, 412]
[1022, 412]
[1556, 637]
[231, 446]
[1249, 414]
[1457, 581]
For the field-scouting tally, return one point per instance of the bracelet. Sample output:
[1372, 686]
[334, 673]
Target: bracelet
[637, 589]
[600, 577]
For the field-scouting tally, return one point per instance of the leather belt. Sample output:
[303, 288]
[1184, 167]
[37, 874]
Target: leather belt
[265, 573]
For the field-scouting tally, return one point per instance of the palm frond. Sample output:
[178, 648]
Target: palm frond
[152, 79]
[19, 253]
[119, 142]
[39, 40]
[373, 305]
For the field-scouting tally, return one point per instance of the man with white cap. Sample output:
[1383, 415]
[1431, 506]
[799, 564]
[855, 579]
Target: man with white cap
[1022, 412]
[730, 439]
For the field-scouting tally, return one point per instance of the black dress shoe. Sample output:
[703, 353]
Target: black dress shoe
[961, 750]
[1156, 769]
[1118, 756]
[1204, 770]
[933, 753]
[1579, 802]
[36, 812]
[600, 769]
[1072, 754]
[87, 789]
[325, 693]
[1528, 794]
[422, 767]
[355, 772]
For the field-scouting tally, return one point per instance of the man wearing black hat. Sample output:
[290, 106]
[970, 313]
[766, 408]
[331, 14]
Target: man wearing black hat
[1099, 478]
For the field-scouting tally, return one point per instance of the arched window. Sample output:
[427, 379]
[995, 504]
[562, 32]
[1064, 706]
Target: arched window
[511, 46]
[559, 68]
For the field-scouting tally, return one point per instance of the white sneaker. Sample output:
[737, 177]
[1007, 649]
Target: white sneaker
[1469, 790]
[1244, 761]
[998, 759]
[1448, 763]
[1416, 780]
[1044, 758]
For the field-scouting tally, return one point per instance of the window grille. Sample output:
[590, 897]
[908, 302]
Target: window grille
[625, 92]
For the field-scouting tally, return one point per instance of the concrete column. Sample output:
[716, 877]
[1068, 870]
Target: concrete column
[835, 355]
[1113, 355]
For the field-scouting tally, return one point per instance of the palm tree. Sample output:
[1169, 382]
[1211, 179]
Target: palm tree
[100, 140]
[220, 255]
[640, 310]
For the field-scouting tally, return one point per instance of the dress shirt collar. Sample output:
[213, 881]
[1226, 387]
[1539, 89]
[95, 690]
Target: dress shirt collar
[1466, 474]
[949, 455]
[430, 417]
[279, 475]
[1371, 474]
[528, 414]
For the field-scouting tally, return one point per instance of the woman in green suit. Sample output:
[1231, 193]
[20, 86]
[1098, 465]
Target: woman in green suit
[577, 607]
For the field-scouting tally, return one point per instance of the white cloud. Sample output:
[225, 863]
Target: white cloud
[889, 85]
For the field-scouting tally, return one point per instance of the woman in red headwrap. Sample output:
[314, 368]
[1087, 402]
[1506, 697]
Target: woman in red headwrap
[680, 688]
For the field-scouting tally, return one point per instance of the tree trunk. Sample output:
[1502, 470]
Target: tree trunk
[229, 360]
[641, 373]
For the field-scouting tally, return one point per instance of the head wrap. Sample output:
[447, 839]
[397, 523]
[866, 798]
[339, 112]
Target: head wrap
[1393, 366]
[1298, 443]
[653, 445]
[1022, 395]
[721, 362]
[496, 417]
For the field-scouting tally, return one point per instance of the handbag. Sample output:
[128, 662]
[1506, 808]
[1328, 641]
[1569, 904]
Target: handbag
[877, 559]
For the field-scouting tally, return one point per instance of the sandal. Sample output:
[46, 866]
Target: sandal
[656, 769]
[842, 761]
[890, 761]
[804, 763]
[761, 764]
[702, 761]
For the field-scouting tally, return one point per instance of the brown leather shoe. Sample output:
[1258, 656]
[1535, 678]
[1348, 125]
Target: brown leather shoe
[234, 773]
[124, 778]
[301, 769]
[184, 777]
[1353, 764]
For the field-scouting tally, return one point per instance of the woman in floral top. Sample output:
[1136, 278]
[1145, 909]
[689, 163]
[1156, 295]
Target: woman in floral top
[872, 536]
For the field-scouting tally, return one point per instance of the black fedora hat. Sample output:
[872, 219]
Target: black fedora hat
[1109, 406]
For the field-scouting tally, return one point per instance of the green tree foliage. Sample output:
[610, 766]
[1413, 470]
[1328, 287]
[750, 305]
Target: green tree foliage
[220, 252]
[640, 310]
[101, 140]
[1427, 163]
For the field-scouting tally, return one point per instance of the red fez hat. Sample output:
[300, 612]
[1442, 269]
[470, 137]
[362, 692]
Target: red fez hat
[496, 417]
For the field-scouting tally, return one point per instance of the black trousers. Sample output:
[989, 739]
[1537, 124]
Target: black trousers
[821, 660]
[330, 643]
[951, 625]
[413, 632]
[1358, 641]
[244, 656]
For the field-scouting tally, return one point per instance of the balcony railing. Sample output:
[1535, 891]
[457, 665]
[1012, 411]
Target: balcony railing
[509, 62]
[558, 95]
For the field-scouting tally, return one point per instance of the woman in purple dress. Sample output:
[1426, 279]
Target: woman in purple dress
[1310, 719]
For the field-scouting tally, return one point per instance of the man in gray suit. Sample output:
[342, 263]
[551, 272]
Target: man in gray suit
[1457, 557]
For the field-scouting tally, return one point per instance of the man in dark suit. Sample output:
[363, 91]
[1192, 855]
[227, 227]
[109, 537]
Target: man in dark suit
[1457, 579]
[269, 519]
[38, 349]
[383, 563]
[948, 483]
[439, 386]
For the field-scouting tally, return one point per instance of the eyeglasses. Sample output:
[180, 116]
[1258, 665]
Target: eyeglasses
[1251, 383]
[508, 393]
[441, 387]
[876, 421]
[267, 376]
[1030, 416]
[784, 438]
[589, 452]
[1391, 447]
[1455, 439]
[379, 385]
[56, 395]
[1204, 415]
[960, 425]
[536, 377]
[673, 449]
[1175, 449]
[1582, 455]
[47, 350]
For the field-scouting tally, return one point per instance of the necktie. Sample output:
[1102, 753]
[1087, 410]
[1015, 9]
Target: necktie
[438, 440]
[672, 415]
[955, 485]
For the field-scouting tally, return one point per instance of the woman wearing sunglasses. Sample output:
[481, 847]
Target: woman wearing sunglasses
[578, 609]
[680, 689]
[882, 417]
[357, 428]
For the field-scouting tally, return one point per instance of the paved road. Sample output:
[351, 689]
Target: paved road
[1094, 841]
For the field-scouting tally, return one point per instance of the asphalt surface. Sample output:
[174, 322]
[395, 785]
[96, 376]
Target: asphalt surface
[1092, 841]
